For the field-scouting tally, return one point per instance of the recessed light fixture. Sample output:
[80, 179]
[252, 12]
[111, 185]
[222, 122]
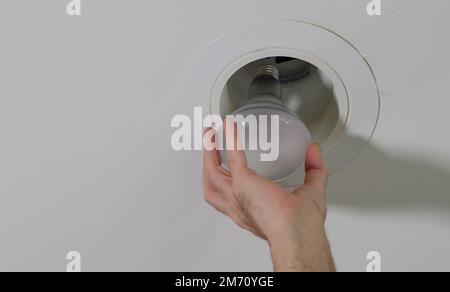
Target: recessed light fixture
[324, 80]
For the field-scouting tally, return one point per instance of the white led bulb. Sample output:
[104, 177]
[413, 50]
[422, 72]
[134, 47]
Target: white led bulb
[294, 137]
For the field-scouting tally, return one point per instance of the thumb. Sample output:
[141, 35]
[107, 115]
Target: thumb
[236, 157]
[316, 170]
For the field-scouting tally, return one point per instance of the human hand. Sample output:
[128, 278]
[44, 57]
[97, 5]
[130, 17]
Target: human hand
[292, 223]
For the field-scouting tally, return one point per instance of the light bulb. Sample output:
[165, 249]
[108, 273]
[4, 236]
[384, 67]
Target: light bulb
[294, 137]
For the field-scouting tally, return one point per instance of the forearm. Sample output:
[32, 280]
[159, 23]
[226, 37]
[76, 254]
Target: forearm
[292, 254]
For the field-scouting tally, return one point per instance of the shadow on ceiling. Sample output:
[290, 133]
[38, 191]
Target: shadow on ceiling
[376, 180]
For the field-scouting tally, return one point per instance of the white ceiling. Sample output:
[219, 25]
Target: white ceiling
[85, 156]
